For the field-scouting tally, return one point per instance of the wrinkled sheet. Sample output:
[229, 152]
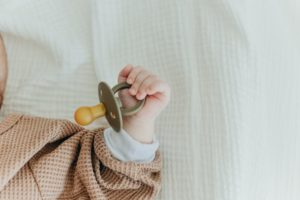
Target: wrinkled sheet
[232, 128]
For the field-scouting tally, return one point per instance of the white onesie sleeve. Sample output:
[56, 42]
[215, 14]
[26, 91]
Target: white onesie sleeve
[123, 147]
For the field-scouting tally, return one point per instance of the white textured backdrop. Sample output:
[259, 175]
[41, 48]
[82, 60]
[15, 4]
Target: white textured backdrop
[232, 129]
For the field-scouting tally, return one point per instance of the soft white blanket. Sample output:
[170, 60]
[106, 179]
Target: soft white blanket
[232, 129]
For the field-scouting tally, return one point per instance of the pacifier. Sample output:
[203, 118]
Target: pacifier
[110, 106]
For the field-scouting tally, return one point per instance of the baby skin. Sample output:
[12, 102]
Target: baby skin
[144, 84]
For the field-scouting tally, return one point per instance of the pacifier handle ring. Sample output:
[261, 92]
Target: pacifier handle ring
[132, 110]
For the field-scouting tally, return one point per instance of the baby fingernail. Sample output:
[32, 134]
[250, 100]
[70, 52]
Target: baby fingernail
[129, 80]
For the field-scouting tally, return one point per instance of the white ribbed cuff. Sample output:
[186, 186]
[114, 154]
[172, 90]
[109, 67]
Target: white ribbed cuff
[123, 147]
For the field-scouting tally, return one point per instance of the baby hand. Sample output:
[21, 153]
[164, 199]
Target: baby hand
[144, 84]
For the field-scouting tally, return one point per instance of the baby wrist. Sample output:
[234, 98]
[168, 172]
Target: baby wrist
[140, 130]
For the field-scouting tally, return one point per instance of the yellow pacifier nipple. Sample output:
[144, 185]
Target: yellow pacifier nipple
[86, 115]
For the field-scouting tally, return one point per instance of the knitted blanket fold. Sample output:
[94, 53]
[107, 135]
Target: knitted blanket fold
[55, 159]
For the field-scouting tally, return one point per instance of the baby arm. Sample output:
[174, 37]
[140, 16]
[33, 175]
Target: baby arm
[134, 159]
[136, 141]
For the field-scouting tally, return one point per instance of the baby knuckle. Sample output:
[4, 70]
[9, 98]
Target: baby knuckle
[139, 79]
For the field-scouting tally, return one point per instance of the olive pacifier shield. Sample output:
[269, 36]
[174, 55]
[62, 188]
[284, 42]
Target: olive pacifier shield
[110, 107]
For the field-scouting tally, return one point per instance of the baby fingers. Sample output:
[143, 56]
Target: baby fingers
[144, 88]
[144, 83]
[133, 74]
[154, 85]
[124, 73]
[135, 78]
[139, 79]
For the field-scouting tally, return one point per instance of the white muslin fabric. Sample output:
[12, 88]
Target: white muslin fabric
[231, 131]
